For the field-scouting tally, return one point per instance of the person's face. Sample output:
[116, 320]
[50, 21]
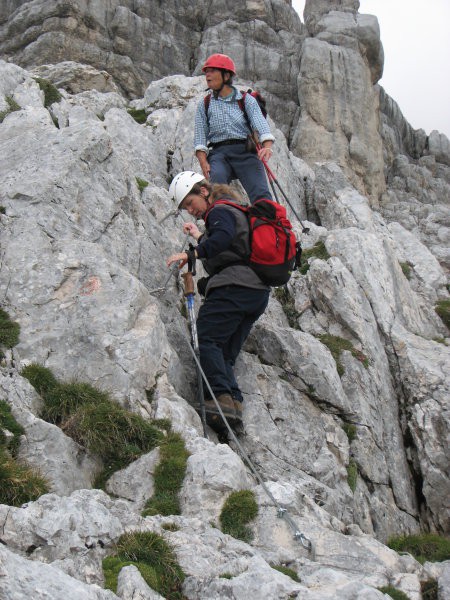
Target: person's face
[214, 78]
[196, 204]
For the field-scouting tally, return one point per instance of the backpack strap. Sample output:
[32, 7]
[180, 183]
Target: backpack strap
[241, 103]
[227, 202]
[206, 103]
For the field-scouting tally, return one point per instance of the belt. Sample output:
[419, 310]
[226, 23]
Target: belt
[227, 143]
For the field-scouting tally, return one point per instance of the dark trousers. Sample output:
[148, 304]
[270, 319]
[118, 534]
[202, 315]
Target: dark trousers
[223, 324]
[233, 162]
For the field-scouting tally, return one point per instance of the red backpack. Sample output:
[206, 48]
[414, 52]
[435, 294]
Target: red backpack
[274, 250]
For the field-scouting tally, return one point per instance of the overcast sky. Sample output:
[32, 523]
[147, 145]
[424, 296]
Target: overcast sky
[416, 41]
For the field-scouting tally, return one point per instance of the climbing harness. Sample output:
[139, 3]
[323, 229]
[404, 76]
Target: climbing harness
[282, 512]
[273, 180]
[189, 294]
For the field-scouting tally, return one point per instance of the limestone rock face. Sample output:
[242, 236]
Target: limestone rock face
[136, 43]
[339, 106]
[349, 441]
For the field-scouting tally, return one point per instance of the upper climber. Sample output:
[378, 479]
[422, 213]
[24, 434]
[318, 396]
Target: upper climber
[221, 130]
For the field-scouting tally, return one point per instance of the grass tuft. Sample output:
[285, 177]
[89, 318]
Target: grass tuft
[350, 430]
[170, 527]
[287, 571]
[51, 94]
[9, 331]
[352, 475]
[337, 345]
[317, 251]
[13, 106]
[393, 592]
[239, 509]
[41, 378]
[141, 183]
[288, 305]
[406, 268]
[426, 547]
[138, 114]
[168, 478]
[18, 482]
[7, 421]
[63, 399]
[429, 589]
[154, 558]
[93, 420]
[116, 435]
[443, 310]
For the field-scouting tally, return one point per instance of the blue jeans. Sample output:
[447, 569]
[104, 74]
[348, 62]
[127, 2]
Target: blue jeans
[223, 324]
[233, 162]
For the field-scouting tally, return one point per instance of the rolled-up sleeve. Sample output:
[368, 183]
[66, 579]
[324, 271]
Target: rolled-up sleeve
[201, 129]
[257, 119]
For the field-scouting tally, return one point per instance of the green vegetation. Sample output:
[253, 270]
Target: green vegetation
[350, 430]
[13, 106]
[443, 310]
[113, 433]
[337, 345]
[2, 208]
[239, 509]
[41, 378]
[317, 251]
[287, 571]
[154, 558]
[426, 547]
[9, 331]
[429, 589]
[406, 268]
[8, 422]
[142, 184]
[64, 399]
[288, 305]
[18, 483]
[138, 114]
[393, 592]
[170, 526]
[168, 478]
[226, 576]
[92, 419]
[352, 475]
[51, 94]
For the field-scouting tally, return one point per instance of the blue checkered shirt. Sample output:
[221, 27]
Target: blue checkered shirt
[227, 121]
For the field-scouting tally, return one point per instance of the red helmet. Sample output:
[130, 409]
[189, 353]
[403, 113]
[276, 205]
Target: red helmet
[220, 61]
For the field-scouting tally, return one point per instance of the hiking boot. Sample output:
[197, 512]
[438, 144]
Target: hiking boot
[238, 409]
[213, 417]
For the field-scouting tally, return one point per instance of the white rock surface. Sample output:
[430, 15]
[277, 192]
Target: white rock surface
[82, 249]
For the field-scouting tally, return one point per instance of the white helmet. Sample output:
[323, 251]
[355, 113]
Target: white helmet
[182, 184]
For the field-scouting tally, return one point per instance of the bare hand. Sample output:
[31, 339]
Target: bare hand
[181, 257]
[206, 168]
[264, 153]
[192, 230]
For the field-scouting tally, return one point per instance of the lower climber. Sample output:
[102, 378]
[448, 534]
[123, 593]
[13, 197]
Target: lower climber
[235, 297]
